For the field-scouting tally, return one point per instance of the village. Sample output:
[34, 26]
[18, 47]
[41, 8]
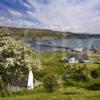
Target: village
[81, 55]
[73, 54]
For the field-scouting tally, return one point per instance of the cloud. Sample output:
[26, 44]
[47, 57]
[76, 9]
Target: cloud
[14, 13]
[27, 5]
[82, 16]
[11, 17]
[68, 15]
[18, 22]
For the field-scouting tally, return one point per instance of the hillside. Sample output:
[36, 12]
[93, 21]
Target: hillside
[29, 33]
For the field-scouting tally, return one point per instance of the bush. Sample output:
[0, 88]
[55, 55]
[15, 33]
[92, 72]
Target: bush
[81, 77]
[39, 89]
[75, 84]
[68, 82]
[23, 92]
[79, 73]
[95, 86]
[50, 83]
[95, 73]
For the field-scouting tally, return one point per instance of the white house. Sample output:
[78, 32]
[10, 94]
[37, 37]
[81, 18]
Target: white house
[78, 49]
[73, 60]
[82, 58]
[28, 83]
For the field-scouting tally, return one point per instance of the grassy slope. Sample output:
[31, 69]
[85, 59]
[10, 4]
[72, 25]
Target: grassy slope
[70, 93]
[52, 62]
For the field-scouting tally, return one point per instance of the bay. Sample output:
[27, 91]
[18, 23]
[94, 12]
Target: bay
[59, 45]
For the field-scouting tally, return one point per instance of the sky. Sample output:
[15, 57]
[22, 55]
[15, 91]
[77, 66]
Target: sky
[79, 16]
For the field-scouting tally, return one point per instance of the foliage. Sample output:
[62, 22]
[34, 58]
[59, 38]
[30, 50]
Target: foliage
[39, 89]
[94, 85]
[23, 92]
[16, 58]
[78, 73]
[81, 77]
[69, 93]
[95, 73]
[50, 82]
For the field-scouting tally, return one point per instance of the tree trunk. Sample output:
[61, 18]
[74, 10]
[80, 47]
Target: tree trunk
[7, 89]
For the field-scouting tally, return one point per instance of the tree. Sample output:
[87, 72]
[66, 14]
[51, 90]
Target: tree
[50, 83]
[15, 58]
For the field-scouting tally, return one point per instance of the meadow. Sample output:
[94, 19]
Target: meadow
[52, 62]
[69, 93]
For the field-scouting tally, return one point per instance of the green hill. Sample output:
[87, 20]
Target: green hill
[29, 33]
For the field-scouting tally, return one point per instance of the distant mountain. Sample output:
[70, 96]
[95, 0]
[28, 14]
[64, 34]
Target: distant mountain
[29, 33]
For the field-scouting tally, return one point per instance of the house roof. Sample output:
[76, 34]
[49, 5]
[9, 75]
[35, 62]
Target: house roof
[78, 56]
[83, 56]
[71, 56]
[20, 83]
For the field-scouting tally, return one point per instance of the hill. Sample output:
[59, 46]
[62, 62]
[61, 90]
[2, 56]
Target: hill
[29, 33]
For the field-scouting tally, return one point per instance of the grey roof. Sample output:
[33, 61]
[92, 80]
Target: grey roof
[20, 83]
[83, 56]
[78, 56]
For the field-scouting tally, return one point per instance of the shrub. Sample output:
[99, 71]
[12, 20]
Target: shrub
[81, 73]
[95, 86]
[81, 77]
[23, 92]
[50, 83]
[68, 82]
[78, 84]
[95, 73]
[39, 89]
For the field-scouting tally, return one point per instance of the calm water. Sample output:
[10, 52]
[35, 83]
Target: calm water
[42, 45]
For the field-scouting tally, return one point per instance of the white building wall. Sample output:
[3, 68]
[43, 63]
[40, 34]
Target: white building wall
[73, 60]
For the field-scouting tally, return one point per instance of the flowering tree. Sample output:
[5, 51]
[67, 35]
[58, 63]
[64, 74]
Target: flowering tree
[15, 58]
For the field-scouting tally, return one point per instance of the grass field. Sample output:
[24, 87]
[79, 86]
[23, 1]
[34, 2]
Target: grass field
[51, 62]
[70, 93]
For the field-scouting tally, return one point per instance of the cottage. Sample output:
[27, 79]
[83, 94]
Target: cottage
[72, 59]
[29, 84]
[78, 49]
[82, 58]
[93, 49]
